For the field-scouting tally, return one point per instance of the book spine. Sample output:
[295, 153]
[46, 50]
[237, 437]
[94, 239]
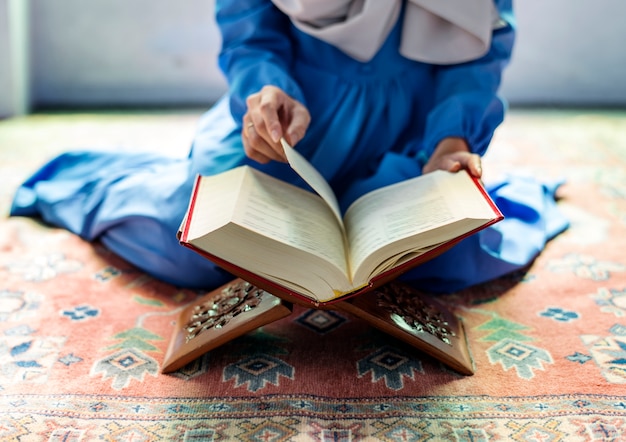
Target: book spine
[183, 237]
[263, 283]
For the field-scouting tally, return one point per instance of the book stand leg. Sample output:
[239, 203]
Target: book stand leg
[397, 309]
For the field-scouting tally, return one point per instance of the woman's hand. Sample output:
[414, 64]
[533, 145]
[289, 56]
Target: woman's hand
[271, 115]
[453, 154]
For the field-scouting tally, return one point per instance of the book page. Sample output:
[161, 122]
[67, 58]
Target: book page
[290, 215]
[312, 177]
[408, 208]
[217, 192]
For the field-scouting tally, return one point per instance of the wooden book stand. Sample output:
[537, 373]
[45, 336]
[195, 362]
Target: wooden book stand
[397, 309]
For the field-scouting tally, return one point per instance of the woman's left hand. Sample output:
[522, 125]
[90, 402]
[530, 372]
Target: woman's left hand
[453, 154]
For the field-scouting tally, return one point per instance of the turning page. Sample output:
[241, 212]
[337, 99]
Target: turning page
[313, 178]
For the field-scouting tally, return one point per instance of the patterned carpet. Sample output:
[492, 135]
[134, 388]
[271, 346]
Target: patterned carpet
[83, 334]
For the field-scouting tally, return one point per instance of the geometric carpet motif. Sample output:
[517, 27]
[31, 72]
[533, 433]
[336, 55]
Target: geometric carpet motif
[83, 334]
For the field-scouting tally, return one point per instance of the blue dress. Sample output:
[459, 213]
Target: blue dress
[373, 123]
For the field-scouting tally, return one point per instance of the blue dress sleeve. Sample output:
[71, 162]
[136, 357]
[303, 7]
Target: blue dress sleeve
[256, 50]
[466, 100]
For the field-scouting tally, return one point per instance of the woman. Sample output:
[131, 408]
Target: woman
[370, 92]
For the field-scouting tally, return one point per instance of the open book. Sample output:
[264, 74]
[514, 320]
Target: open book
[296, 243]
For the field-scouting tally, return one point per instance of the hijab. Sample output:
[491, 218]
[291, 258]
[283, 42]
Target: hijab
[433, 31]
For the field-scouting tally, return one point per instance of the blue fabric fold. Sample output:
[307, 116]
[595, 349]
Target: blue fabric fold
[531, 219]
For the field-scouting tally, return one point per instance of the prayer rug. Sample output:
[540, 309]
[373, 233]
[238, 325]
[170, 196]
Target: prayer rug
[83, 334]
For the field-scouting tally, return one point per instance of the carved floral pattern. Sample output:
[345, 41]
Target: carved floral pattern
[401, 301]
[219, 311]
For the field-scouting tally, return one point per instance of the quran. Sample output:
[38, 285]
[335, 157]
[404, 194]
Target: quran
[296, 244]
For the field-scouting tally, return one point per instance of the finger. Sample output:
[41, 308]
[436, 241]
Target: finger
[298, 125]
[256, 148]
[448, 164]
[471, 162]
[254, 114]
[255, 138]
[475, 166]
[272, 100]
[452, 165]
[258, 157]
[252, 153]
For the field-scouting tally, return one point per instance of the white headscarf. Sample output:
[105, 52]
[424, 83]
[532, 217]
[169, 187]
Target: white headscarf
[433, 31]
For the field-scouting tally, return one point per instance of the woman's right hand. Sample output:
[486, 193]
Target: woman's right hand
[272, 115]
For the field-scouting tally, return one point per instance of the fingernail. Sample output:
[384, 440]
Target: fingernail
[275, 136]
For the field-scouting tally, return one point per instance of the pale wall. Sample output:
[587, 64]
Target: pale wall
[163, 52]
[6, 98]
